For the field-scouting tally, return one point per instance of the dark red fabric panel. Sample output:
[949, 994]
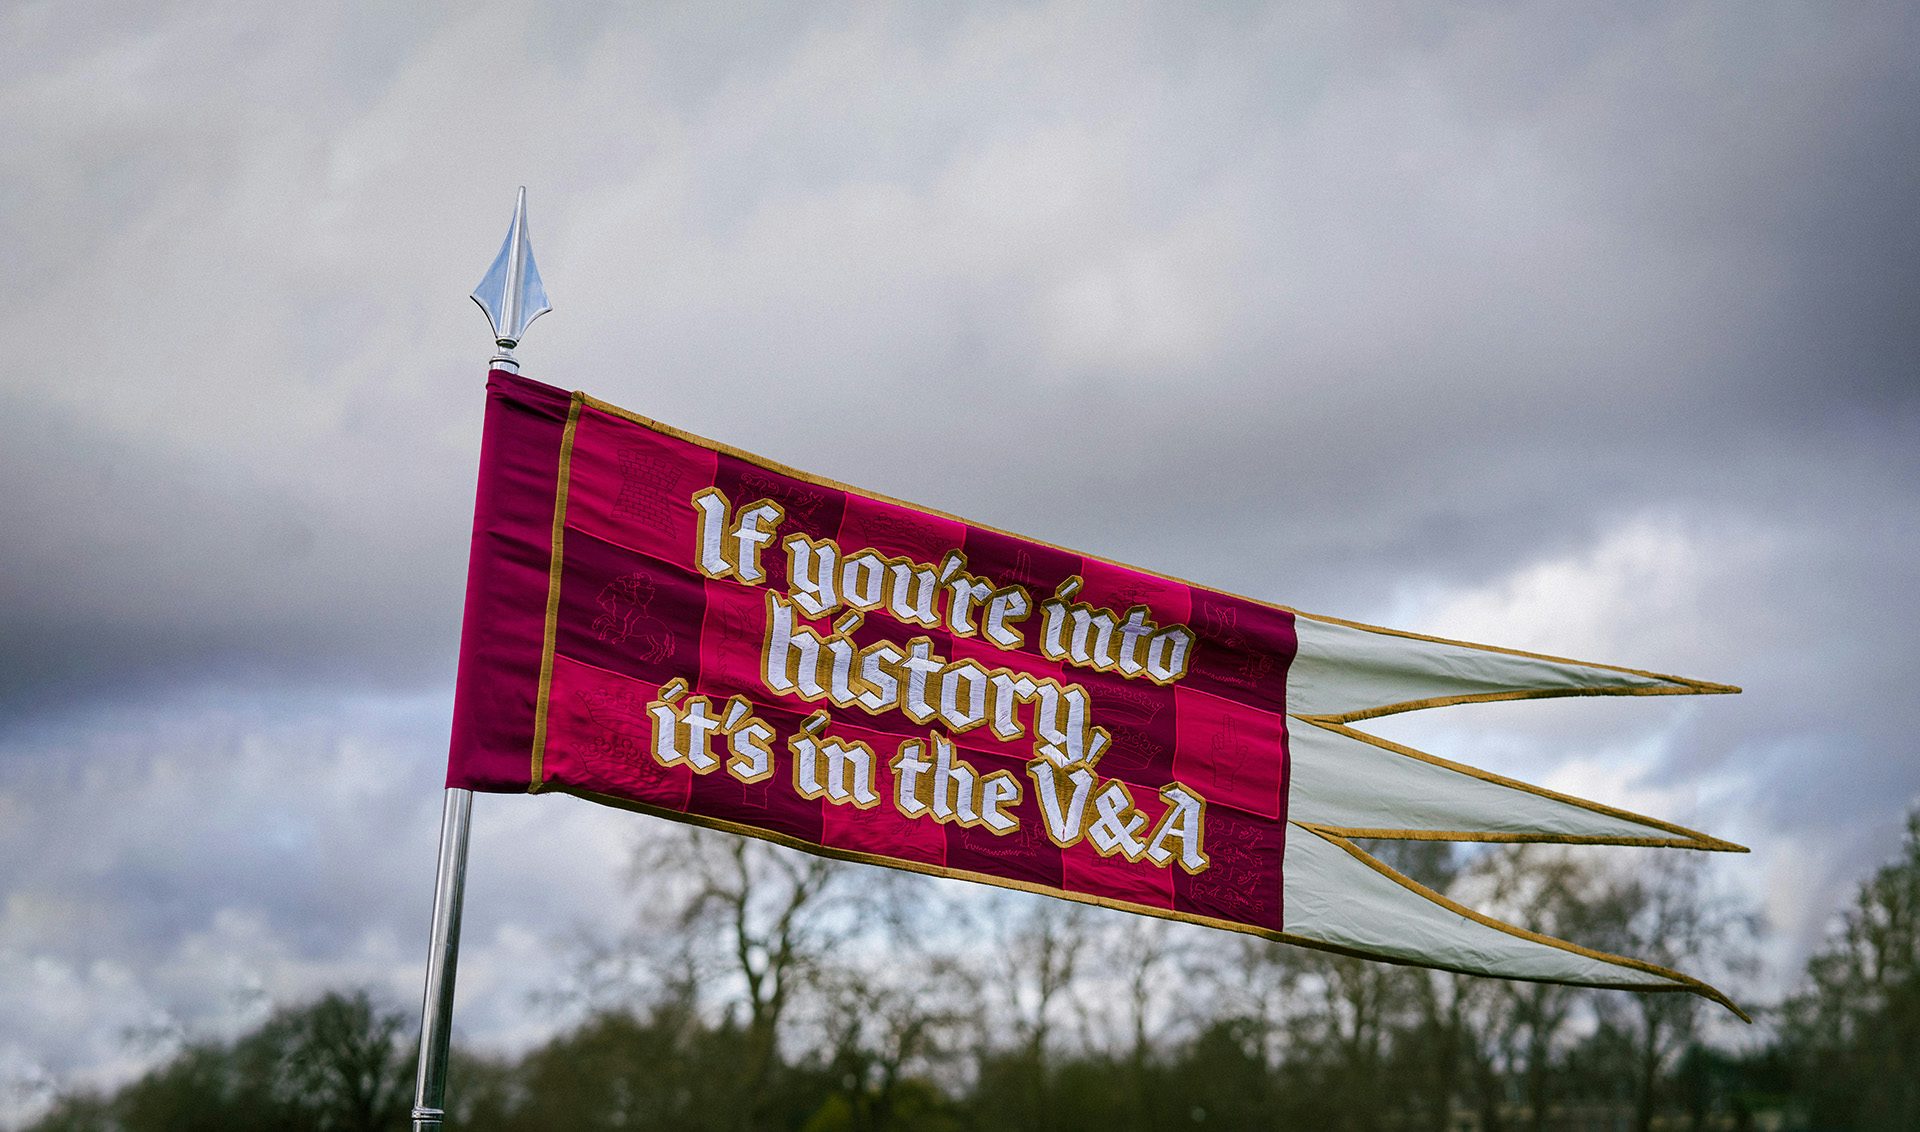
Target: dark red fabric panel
[503, 633]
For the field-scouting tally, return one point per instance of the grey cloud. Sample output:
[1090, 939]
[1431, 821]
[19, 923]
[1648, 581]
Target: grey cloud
[1336, 306]
[175, 866]
[131, 569]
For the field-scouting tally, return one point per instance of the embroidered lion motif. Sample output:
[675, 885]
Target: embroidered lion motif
[625, 600]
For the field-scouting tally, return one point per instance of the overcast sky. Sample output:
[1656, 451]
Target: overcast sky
[1591, 329]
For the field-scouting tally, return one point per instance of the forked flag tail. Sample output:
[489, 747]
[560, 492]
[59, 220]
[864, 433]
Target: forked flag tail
[1346, 784]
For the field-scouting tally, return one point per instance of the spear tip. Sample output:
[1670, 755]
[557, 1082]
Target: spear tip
[512, 294]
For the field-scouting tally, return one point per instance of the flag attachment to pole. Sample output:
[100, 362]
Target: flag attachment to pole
[512, 296]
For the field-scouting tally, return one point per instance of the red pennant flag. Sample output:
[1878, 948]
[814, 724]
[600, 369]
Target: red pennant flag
[660, 622]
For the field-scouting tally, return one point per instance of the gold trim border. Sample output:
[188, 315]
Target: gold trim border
[1681, 686]
[556, 556]
[1675, 685]
[1682, 983]
[1688, 982]
[1684, 686]
[1683, 838]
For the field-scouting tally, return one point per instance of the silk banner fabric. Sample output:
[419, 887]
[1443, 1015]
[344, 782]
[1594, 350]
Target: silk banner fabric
[661, 622]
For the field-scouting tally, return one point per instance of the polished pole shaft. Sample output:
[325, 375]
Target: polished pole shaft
[512, 296]
[436, 1008]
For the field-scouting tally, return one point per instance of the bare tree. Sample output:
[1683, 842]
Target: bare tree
[880, 1026]
[1855, 1027]
[341, 1058]
[1044, 952]
[1557, 893]
[1258, 981]
[1676, 919]
[1351, 1006]
[1445, 1040]
[755, 922]
[1028, 979]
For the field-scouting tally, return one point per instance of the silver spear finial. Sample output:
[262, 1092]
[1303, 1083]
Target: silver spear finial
[512, 294]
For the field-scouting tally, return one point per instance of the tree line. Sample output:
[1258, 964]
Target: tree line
[766, 989]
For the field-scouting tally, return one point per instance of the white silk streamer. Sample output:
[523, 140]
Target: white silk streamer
[1346, 785]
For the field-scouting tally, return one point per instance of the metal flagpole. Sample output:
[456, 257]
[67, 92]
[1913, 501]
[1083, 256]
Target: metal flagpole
[512, 296]
[436, 1011]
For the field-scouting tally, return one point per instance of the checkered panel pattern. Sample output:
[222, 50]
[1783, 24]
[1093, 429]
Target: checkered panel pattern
[634, 613]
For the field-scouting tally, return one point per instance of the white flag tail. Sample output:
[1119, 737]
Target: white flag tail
[1347, 784]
